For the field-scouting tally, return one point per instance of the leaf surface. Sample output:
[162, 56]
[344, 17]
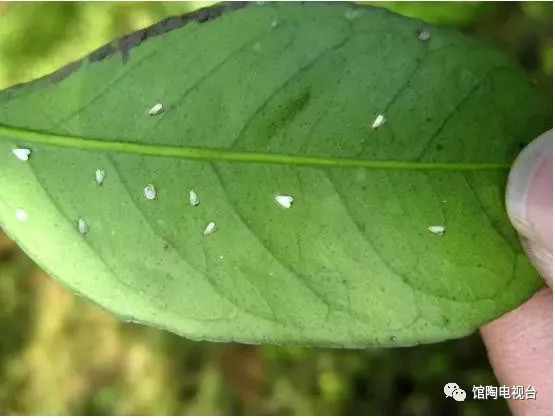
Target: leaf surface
[261, 101]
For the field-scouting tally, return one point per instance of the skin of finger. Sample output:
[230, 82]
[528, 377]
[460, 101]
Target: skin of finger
[539, 202]
[539, 208]
[520, 349]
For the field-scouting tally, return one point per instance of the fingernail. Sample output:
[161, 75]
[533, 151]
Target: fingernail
[529, 201]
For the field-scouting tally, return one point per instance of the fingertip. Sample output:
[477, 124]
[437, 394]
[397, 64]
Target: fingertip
[520, 349]
[529, 201]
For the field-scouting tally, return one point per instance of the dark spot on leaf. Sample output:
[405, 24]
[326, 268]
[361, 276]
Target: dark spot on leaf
[204, 15]
[126, 43]
[129, 41]
[521, 145]
[63, 72]
[166, 25]
[102, 52]
[439, 147]
[285, 113]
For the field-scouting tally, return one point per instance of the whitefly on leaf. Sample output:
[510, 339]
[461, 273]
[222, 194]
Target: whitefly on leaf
[437, 229]
[210, 228]
[379, 121]
[156, 109]
[82, 226]
[100, 175]
[424, 35]
[21, 154]
[150, 192]
[284, 201]
[193, 198]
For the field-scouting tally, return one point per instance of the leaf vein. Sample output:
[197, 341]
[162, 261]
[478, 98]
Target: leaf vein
[225, 155]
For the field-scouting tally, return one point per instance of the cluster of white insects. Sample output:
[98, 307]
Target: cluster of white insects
[284, 201]
[23, 154]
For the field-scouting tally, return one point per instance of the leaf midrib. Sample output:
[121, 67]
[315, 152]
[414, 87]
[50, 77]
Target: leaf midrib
[225, 155]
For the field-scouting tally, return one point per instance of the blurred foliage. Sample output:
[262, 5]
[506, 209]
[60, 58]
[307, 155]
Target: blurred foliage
[59, 354]
[31, 46]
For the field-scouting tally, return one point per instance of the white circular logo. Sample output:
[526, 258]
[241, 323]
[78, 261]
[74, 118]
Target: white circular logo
[459, 395]
[449, 388]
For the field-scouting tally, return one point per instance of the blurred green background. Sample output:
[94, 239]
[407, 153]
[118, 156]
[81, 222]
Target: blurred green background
[60, 354]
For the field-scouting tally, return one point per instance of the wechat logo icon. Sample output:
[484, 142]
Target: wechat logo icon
[452, 390]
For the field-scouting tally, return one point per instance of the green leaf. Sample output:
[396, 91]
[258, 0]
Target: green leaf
[276, 99]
